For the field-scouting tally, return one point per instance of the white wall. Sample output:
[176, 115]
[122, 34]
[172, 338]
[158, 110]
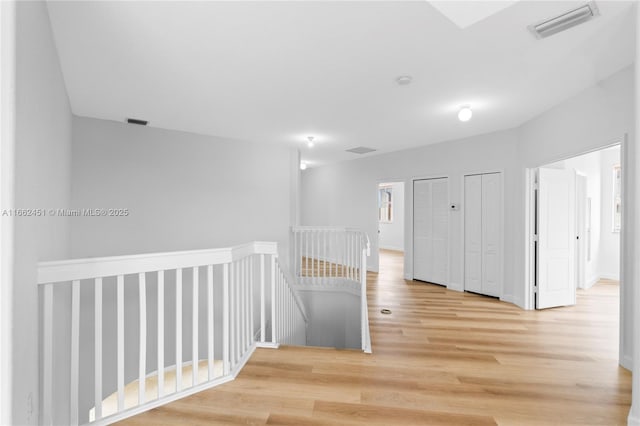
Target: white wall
[42, 180]
[345, 193]
[184, 191]
[392, 234]
[334, 319]
[340, 194]
[609, 240]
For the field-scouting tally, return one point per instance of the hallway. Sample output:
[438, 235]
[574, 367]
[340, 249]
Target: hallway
[440, 358]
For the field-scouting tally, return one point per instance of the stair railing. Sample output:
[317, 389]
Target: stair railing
[333, 257]
[166, 325]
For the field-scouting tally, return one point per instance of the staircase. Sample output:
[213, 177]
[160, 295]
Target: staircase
[330, 265]
[115, 328]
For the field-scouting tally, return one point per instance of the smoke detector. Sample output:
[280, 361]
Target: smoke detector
[564, 21]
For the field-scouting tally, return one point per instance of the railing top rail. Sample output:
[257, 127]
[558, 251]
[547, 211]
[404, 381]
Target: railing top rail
[96, 267]
[364, 235]
[325, 228]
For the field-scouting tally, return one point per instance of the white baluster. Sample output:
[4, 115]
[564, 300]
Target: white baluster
[273, 299]
[225, 320]
[47, 367]
[242, 309]
[262, 301]
[142, 362]
[75, 352]
[250, 302]
[178, 329]
[195, 356]
[237, 338]
[160, 334]
[120, 332]
[232, 317]
[324, 245]
[210, 331]
[97, 343]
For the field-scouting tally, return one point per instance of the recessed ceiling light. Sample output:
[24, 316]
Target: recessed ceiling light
[465, 113]
[404, 80]
[303, 165]
[310, 141]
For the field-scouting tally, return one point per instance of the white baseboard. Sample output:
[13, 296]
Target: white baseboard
[519, 302]
[615, 277]
[591, 282]
[507, 298]
[394, 248]
[633, 420]
[455, 287]
[408, 277]
[627, 362]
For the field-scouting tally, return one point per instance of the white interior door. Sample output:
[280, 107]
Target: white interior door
[491, 234]
[556, 238]
[430, 230]
[473, 233]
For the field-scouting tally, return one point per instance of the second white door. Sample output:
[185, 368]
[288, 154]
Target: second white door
[483, 234]
[431, 230]
[556, 238]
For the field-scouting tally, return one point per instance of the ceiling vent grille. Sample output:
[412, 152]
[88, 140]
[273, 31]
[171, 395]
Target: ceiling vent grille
[361, 150]
[567, 20]
[136, 121]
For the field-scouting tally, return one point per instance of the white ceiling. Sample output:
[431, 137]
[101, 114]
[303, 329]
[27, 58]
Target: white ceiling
[275, 72]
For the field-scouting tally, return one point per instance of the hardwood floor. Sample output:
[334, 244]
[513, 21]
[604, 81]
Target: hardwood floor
[440, 358]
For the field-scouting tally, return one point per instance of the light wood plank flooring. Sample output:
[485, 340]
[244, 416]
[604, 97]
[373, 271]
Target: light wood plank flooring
[440, 358]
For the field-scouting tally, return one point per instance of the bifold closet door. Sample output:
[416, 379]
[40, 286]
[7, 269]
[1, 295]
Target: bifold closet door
[473, 233]
[483, 234]
[431, 230]
[491, 234]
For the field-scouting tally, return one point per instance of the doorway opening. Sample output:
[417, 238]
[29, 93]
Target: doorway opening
[391, 223]
[577, 222]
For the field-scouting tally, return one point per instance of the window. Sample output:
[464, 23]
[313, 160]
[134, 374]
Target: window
[617, 198]
[385, 204]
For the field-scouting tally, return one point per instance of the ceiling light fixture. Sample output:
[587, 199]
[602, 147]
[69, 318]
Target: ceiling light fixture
[465, 113]
[404, 80]
[310, 141]
[303, 165]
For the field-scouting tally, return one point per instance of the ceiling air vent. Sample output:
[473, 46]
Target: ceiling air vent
[567, 20]
[136, 121]
[361, 150]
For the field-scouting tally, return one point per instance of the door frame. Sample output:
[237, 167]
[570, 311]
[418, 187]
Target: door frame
[408, 226]
[502, 297]
[530, 183]
[7, 174]
[406, 221]
[581, 219]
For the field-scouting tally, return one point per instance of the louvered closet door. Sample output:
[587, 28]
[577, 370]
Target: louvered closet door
[473, 233]
[483, 227]
[491, 234]
[431, 230]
